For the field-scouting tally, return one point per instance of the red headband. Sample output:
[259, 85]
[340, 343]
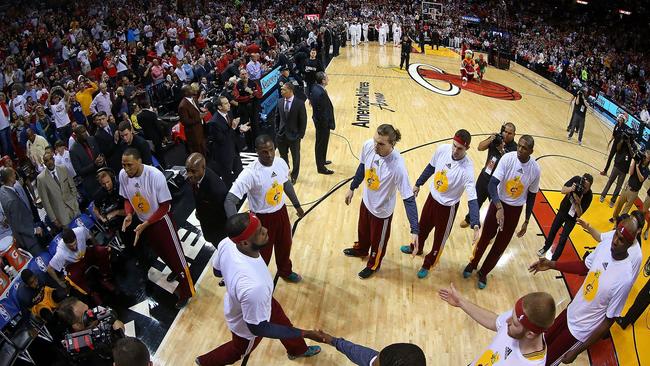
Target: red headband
[253, 224]
[628, 235]
[523, 319]
[460, 141]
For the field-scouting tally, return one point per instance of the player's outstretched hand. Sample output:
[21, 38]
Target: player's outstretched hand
[348, 196]
[318, 336]
[416, 190]
[300, 212]
[415, 244]
[127, 222]
[522, 231]
[450, 295]
[541, 265]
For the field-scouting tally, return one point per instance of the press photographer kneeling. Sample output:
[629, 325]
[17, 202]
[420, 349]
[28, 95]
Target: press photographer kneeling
[576, 201]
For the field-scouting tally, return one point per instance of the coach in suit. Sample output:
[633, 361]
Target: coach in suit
[222, 142]
[323, 117]
[106, 136]
[209, 195]
[86, 158]
[290, 126]
[190, 116]
[18, 211]
[58, 193]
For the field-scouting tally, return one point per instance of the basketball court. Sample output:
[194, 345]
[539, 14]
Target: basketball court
[427, 104]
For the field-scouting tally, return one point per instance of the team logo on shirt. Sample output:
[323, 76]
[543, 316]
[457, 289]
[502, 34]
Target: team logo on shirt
[372, 179]
[274, 194]
[140, 203]
[590, 288]
[441, 182]
[514, 187]
[488, 358]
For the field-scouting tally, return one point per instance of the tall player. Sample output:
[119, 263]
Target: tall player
[520, 332]
[251, 311]
[454, 173]
[514, 182]
[265, 182]
[382, 169]
[145, 192]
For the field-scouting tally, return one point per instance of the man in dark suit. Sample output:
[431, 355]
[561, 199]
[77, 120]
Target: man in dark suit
[290, 126]
[223, 134]
[106, 137]
[18, 212]
[130, 139]
[86, 158]
[209, 195]
[191, 118]
[151, 127]
[323, 117]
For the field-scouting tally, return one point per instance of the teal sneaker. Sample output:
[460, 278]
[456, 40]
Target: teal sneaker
[311, 351]
[293, 278]
[467, 272]
[422, 273]
[482, 281]
[406, 249]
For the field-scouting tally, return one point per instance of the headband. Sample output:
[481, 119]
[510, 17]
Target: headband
[628, 235]
[523, 319]
[253, 224]
[460, 141]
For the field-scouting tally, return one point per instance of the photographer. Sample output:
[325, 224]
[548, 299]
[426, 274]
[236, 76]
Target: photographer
[638, 174]
[578, 118]
[90, 333]
[576, 201]
[622, 161]
[617, 133]
[496, 145]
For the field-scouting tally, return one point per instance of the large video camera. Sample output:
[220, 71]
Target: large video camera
[95, 341]
[580, 187]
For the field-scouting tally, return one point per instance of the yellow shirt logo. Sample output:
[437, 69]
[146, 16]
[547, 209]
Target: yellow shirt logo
[372, 179]
[274, 194]
[590, 288]
[140, 203]
[488, 358]
[441, 182]
[514, 187]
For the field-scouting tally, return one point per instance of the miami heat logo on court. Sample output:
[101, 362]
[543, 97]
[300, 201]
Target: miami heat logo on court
[274, 194]
[421, 73]
[514, 187]
[441, 182]
[590, 289]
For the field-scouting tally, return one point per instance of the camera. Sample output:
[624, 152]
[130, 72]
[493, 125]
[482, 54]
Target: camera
[498, 139]
[580, 186]
[95, 341]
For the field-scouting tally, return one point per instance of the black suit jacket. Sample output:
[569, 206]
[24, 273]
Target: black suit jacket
[222, 143]
[323, 115]
[294, 123]
[106, 142]
[152, 130]
[84, 165]
[209, 199]
[139, 144]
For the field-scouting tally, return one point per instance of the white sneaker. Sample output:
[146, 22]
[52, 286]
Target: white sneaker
[580, 143]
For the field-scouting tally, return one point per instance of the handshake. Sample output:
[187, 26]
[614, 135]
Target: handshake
[318, 336]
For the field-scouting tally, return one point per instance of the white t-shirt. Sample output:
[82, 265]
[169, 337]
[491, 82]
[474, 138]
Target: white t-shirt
[452, 177]
[60, 114]
[65, 256]
[145, 192]
[249, 288]
[18, 105]
[605, 289]
[516, 179]
[64, 161]
[264, 185]
[383, 176]
[504, 350]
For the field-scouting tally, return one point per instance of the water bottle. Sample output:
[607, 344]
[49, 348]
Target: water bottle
[11, 271]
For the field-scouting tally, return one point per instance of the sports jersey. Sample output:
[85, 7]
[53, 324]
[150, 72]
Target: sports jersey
[452, 177]
[383, 176]
[65, 256]
[504, 350]
[605, 289]
[145, 192]
[263, 184]
[249, 288]
[516, 179]
[60, 114]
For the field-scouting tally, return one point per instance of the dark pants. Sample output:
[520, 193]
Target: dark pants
[284, 145]
[322, 140]
[612, 152]
[248, 113]
[64, 132]
[559, 340]
[640, 304]
[577, 123]
[5, 141]
[566, 222]
[374, 233]
[439, 218]
[239, 347]
[481, 190]
[405, 59]
[279, 231]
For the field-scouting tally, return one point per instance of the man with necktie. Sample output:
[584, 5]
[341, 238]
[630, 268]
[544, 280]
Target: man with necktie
[58, 193]
[323, 117]
[223, 134]
[290, 126]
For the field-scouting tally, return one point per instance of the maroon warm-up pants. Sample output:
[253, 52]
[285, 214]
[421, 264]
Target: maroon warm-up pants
[373, 235]
[438, 217]
[95, 256]
[279, 230]
[239, 347]
[501, 241]
[559, 340]
[163, 239]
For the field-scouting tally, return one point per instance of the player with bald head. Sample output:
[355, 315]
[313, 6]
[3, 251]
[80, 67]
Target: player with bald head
[209, 193]
[520, 332]
[610, 270]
